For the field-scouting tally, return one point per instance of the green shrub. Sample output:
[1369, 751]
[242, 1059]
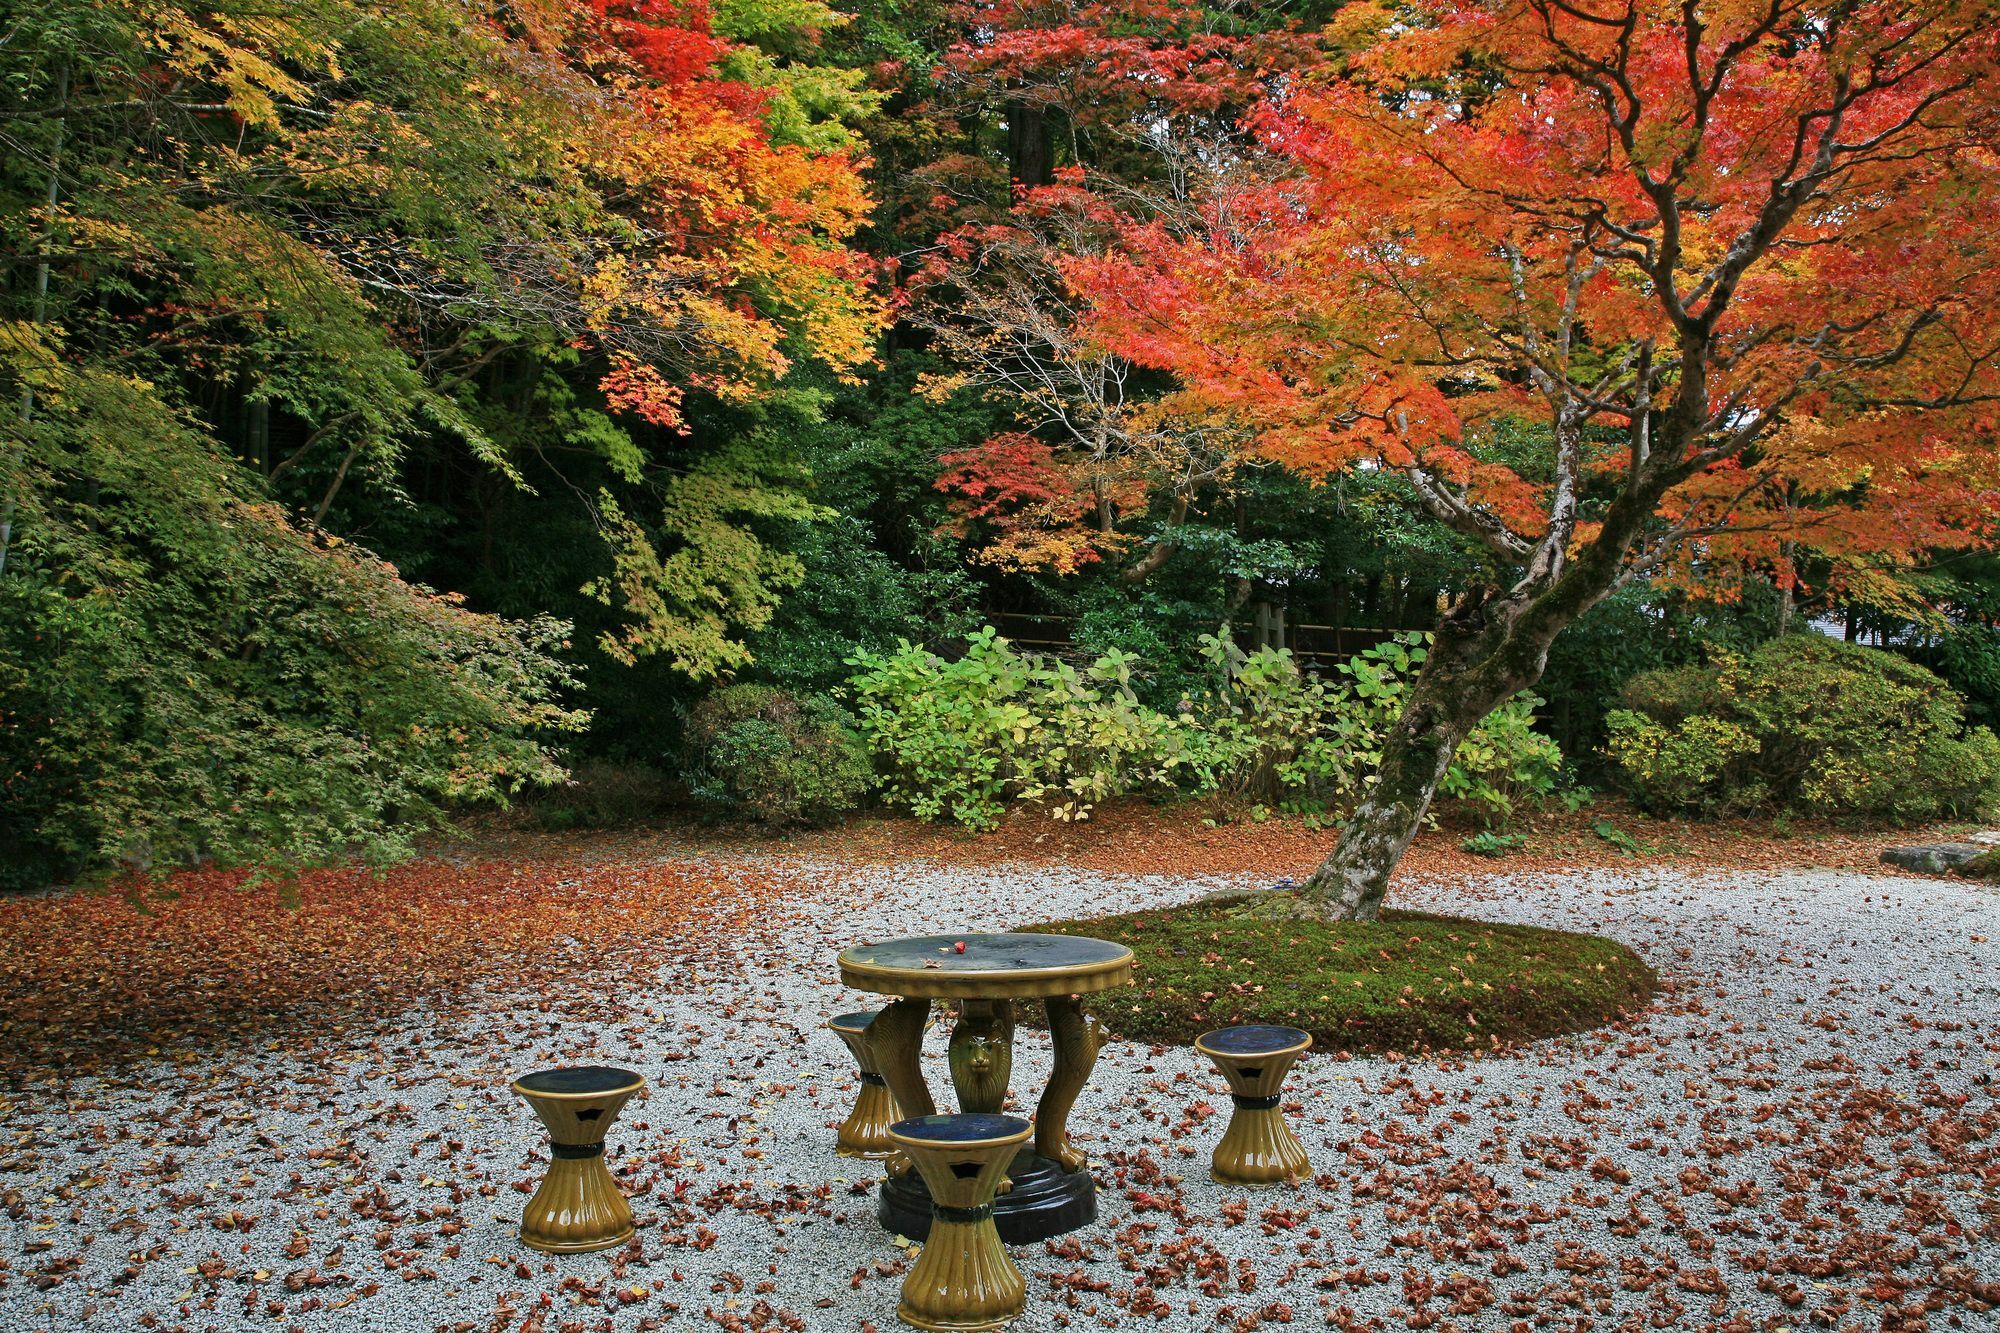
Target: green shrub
[959, 739]
[1682, 767]
[1265, 729]
[945, 732]
[1502, 763]
[775, 757]
[1804, 724]
[187, 676]
[1638, 630]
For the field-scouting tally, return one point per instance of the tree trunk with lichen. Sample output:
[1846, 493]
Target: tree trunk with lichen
[1446, 701]
[1490, 647]
[1495, 642]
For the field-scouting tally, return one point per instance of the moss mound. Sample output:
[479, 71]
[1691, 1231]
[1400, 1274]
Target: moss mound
[1408, 982]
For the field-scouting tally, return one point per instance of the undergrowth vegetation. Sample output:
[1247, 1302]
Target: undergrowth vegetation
[959, 739]
[774, 757]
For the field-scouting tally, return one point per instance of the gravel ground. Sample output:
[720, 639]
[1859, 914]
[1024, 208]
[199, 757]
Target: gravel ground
[1804, 1131]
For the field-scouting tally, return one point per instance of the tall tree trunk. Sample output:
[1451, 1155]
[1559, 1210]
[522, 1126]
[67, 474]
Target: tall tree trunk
[1489, 648]
[1030, 149]
[40, 311]
[1785, 600]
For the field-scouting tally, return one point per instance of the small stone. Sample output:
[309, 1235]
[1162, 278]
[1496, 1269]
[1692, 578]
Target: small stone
[1933, 858]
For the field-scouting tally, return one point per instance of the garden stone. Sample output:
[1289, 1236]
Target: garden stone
[1933, 858]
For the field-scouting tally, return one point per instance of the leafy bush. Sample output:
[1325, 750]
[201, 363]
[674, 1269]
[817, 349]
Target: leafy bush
[1503, 762]
[1267, 730]
[776, 757]
[1804, 724]
[853, 598]
[1637, 630]
[603, 793]
[1676, 769]
[958, 739]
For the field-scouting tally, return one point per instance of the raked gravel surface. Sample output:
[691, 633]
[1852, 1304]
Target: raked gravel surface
[1802, 1132]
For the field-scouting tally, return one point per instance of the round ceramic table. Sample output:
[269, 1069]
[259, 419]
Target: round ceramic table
[1050, 1191]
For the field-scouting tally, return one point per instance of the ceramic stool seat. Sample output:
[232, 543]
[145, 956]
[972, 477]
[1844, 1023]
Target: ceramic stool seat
[963, 1280]
[578, 1206]
[865, 1132]
[1258, 1148]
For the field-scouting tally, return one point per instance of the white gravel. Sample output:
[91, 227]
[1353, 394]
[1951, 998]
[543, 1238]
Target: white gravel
[1804, 1131]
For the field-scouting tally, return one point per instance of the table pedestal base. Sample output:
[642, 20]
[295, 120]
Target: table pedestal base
[1045, 1201]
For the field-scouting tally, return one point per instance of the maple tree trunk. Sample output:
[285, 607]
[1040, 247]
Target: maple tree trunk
[1457, 687]
[1490, 647]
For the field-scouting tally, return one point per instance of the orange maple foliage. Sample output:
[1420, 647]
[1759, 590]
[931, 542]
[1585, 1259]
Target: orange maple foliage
[1034, 502]
[738, 255]
[1732, 266]
[1738, 261]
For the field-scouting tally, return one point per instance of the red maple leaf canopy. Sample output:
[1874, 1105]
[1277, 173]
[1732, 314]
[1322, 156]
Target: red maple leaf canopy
[1736, 259]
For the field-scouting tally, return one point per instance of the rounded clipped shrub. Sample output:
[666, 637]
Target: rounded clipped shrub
[775, 757]
[1804, 724]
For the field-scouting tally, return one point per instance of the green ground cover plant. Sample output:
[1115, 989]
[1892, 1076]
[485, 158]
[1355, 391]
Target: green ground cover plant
[1408, 982]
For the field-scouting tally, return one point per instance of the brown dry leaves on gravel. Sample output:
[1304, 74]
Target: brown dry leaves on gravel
[1445, 1202]
[144, 968]
[1130, 837]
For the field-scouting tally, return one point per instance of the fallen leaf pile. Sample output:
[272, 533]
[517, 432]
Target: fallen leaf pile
[170, 968]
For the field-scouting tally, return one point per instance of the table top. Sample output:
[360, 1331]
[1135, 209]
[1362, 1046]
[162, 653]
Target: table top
[1252, 1040]
[990, 967]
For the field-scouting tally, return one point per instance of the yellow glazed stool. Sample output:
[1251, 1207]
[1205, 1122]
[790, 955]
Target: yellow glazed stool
[1258, 1148]
[865, 1132]
[578, 1207]
[963, 1279]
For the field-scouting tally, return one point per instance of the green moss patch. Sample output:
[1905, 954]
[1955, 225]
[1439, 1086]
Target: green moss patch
[1408, 982]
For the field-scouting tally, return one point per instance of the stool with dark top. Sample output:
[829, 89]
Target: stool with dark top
[1258, 1148]
[578, 1206]
[865, 1132]
[963, 1279]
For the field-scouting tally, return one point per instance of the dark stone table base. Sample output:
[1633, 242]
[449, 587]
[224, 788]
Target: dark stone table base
[1046, 1201]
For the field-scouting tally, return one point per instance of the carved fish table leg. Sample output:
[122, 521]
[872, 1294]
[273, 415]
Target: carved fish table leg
[896, 1039]
[982, 1054]
[1076, 1038]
